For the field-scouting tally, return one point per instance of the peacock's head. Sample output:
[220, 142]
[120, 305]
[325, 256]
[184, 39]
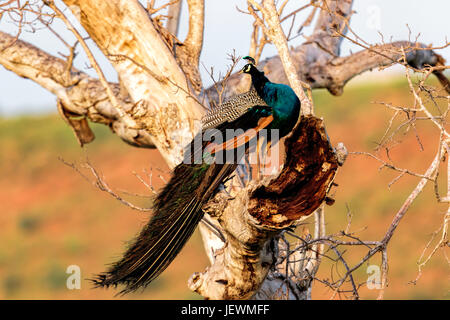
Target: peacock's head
[250, 66]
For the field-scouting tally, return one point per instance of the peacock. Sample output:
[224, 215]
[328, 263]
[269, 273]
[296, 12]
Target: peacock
[177, 209]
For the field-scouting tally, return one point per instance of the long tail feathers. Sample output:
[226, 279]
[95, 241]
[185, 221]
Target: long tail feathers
[177, 212]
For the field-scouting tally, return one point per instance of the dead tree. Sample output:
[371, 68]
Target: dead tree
[160, 100]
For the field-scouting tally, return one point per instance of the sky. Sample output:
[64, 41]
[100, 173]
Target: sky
[227, 29]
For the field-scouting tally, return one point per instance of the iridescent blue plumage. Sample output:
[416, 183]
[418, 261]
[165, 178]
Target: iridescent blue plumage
[284, 103]
[285, 106]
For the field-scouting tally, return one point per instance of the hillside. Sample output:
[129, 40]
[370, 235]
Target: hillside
[51, 217]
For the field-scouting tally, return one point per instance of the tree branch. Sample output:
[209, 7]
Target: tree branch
[317, 51]
[276, 35]
[173, 21]
[188, 53]
[80, 94]
[335, 73]
[123, 29]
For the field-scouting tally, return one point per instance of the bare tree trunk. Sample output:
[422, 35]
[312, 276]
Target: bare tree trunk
[126, 35]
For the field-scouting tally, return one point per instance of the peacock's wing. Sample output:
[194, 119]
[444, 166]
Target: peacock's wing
[232, 109]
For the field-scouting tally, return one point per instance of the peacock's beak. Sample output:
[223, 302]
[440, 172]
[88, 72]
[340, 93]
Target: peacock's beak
[241, 71]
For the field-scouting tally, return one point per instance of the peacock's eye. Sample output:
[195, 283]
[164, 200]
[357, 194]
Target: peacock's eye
[247, 68]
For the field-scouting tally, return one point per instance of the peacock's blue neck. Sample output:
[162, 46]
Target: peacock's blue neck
[281, 98]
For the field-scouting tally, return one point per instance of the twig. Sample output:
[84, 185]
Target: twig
[101, 184]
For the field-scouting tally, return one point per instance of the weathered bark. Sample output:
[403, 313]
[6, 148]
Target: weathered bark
[318, 50]
[302, 185]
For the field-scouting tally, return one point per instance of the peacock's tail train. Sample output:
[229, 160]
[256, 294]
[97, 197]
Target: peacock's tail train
[177, 211]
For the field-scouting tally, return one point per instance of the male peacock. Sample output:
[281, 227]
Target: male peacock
[178, 207]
